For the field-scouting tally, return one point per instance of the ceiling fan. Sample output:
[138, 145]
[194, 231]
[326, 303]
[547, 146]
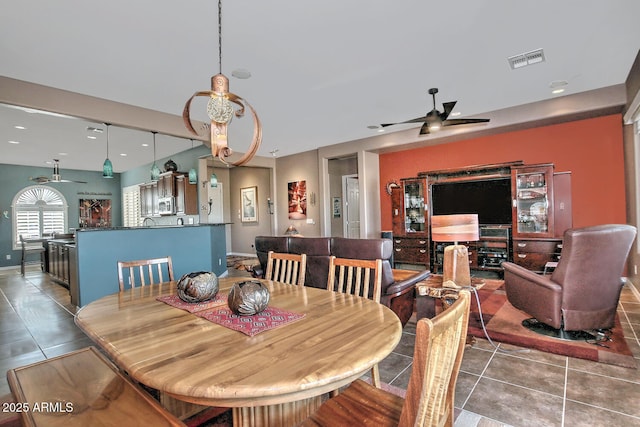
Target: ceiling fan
[55, 177]
[435, 120]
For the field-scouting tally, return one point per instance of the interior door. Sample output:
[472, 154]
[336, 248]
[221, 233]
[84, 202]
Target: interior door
[351, 206]
[215, 214]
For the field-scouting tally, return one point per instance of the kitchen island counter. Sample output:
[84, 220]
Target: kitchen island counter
[192, 247]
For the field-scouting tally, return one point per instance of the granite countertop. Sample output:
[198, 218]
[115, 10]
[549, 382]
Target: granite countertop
[84, 230]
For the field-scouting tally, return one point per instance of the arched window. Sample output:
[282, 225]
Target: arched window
[38, 210]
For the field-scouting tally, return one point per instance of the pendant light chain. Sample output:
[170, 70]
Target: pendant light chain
[107, 124]
[220, 35]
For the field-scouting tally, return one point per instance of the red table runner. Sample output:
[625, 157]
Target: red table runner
[270, 318]
[192, 307]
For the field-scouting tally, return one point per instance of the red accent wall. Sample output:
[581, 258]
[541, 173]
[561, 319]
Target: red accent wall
[592, 149]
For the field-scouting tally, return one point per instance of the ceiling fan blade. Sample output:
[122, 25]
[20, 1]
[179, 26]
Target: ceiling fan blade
[416, 120]
[448, 108]
[39, 179]
[453, 122]
[69, 180]
[424, 130]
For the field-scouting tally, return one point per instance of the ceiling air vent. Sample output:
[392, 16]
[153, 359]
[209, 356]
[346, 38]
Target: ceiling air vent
[524, 59]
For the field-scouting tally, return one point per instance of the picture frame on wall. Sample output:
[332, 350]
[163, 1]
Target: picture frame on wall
[95, 213]
[248, 199]
[297, 199]
[337, 207]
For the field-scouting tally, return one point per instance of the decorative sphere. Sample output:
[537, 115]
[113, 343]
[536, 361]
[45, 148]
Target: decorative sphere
[198, 286]
[170, 166]
[248, 298]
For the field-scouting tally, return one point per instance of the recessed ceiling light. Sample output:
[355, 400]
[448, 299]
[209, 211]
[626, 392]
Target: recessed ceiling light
[19, 127]
[63, 154]
[123, 154]
[14, 142]
[558, 86]
[144, 144]
[241, 73]
[93, 129]
[92, 137]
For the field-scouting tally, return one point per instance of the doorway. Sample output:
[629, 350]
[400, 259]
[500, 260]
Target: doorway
[351, 206]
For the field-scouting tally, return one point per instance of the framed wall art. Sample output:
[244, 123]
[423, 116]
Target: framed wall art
[337, 207]
[248, 198]
[95, 213]
[297, 199]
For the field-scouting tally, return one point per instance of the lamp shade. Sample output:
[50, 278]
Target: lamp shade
[107, 169]
[454, 228]
[291, 231]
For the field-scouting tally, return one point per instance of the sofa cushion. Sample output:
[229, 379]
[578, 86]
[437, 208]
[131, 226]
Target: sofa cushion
[318, 250]
[264, 244]
[382, 249]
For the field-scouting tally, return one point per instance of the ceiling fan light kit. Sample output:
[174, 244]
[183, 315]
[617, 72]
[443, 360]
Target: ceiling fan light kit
[221, 112]
[434, 120]
[55, 177]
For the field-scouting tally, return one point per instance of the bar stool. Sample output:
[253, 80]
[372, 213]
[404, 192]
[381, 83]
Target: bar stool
[30, 248]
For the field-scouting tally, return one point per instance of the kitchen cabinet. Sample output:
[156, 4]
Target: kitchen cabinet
[410, 222]
[59, 260]
[166, 185]
[149, 199]
[186, 196]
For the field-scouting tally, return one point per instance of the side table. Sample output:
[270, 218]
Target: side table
[430, 290]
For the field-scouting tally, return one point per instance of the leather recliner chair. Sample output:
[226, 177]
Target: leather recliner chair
[583, 291]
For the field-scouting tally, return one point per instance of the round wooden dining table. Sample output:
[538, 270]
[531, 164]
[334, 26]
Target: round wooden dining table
[276, 377]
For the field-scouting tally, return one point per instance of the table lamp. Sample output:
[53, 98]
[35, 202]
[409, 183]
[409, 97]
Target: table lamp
[455, 228]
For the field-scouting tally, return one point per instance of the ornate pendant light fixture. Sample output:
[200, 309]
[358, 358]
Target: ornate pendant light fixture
[220, 111]
[155, 170]
[107, 166]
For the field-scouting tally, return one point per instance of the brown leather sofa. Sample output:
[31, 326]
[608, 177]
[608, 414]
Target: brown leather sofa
[583, 291]
[398, 296]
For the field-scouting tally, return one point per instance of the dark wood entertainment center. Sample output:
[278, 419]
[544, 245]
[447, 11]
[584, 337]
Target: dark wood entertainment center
[523, 212]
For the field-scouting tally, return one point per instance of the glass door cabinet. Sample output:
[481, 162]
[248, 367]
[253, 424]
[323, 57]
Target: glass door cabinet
[532, 191]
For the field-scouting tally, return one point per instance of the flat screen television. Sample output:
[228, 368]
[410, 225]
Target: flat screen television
[490, 199]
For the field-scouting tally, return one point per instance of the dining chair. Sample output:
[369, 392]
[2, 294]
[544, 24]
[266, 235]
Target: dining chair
[29, 250]
[145, 272]
[429, 400]
[357, 277]
[286, 268]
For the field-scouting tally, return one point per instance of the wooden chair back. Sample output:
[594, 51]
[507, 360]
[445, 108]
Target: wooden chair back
[357, 277]
[429, 400]
[142, 272]
[286, 268]
[360, 277]
[438, 352]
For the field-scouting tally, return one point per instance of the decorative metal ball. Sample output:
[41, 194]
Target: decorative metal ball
[248, 298]
[170, 166]
[198, 286]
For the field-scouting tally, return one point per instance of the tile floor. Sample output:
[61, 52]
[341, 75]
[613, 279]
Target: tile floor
[495, 387]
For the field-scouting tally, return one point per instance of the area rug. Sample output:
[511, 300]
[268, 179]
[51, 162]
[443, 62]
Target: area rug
[241, 262]
[504, 324]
